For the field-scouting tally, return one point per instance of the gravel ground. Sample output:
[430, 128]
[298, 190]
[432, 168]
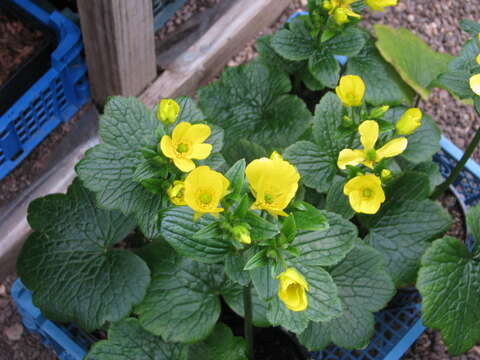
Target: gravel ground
[435, 21]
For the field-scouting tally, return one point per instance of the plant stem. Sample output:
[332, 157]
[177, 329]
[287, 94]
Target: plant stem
[440, 189]
[248, 329]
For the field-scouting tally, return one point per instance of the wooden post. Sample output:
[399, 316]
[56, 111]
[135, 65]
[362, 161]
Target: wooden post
[119, 45]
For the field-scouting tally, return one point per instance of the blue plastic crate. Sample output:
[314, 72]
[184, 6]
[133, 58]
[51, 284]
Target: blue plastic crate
[53, 99]
[397, 327]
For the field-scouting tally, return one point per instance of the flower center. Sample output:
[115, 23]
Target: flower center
[182, 148]
[367, 193]
[371, 155]
[268, 198]
[205, 198]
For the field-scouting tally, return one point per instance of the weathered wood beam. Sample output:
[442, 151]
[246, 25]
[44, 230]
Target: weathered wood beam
[204, 59]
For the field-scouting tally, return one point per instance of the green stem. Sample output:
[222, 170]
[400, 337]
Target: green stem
[440, 189]
[248, 329]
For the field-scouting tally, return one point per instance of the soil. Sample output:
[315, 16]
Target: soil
[435, 21]
[17, 43]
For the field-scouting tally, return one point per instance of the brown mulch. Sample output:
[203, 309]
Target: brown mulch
[17, 43]
[435, 21]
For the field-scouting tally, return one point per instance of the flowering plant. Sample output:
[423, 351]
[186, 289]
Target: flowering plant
[305, 220]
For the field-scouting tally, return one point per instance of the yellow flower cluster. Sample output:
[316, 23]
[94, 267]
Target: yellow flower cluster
[365, 192]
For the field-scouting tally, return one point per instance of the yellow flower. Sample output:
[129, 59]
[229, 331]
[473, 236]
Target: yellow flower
[273, 182]
[168, 111]
[204, 189]
[340, 9]
[379, 5]
[365, 193]
[176, 193]
[351, 90]
[292, 290]
[241, 234]
[475, 84]
[409, 122]
[186, 144]
[368, 156]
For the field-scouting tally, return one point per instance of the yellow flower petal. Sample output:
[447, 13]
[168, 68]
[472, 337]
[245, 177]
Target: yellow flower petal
[166, 146]
[292, 290]
[392, 148]
[409, 122]
[273, 183]
[350, 157]
[201, 151]
[351, 13]
[351, 90]
[176, 193]
[379, 5]
[368, 134]
[475, 84]
[365, 193]
[180, 131]
[185, 165]
[197, 133]
[276, 156]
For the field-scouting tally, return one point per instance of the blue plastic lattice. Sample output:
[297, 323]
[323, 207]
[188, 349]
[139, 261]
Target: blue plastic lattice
[53, 99]
[397, 326]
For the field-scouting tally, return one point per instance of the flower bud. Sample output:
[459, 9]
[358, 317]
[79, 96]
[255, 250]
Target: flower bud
[176, 193]
[168, 111]
[378, 112]
[292, 290]
[409, 122]
[386, 175]
[351, 90]
[242, 234]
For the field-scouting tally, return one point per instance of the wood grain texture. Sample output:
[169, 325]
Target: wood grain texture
[204, 59]
[119, 45]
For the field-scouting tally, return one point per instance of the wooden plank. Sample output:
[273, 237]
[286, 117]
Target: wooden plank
[204, 59]
[119, 45]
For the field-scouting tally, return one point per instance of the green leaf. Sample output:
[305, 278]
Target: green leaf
[128, 340]
[424, 142]
[264, 282]
[181, 304]
[327, 247]
[236, 175]
[364, 288]
[251, 101]
[314, 165]
[258, 260]
[289, 228]
[324, 67]
[327, 119]
[471, 27]
[221, 344]
[348, 43]
[457, 82]
[383, 84]
[108, 169]
[473, 226]
[279, 315]
[271, 58]
[336, 201]
[233, 296]
[403, 232]
[178, 229]
[215, 161]
[449, 282]
[244, 149]
[309, 218]
[294, 43]
[260, 229]
[70, 257]
[414, 60]
[432, 170]
[234, 264]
